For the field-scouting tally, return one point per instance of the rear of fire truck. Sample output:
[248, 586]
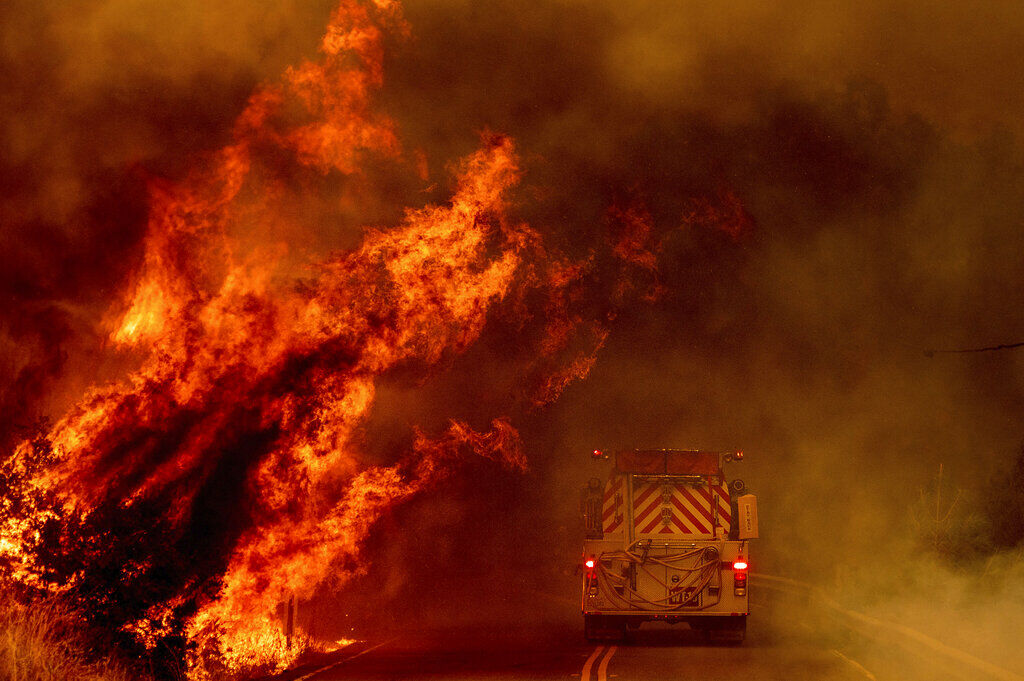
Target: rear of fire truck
[667, 540]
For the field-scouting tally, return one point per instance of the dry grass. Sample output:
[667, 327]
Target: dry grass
[41, 643]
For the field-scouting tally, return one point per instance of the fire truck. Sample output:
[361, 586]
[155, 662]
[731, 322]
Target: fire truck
[667, 538]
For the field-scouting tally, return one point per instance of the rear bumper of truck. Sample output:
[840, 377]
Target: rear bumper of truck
[665, 617]
[668, 582]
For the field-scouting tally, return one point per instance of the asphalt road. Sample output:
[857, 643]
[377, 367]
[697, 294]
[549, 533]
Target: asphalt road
[782, 643]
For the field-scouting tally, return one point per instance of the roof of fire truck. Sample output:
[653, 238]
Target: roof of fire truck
[672, 461]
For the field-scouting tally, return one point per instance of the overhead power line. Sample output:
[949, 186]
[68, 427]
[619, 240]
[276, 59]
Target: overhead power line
[959, 351]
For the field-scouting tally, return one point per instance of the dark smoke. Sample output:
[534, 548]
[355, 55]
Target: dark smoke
[95, 93]
[870, 157]
[883, 189]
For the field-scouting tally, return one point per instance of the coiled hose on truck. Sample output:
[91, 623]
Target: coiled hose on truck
[705, 569]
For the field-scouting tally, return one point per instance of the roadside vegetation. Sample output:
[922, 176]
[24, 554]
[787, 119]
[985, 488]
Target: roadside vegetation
[47, 643]
[959, 575]
[1005, 506]
[973, 528]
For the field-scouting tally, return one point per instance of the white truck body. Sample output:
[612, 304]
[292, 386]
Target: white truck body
[663, 545]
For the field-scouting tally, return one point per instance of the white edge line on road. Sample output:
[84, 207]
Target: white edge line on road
[341, 662]
[602, 670]
[585, 676]
[856, 665]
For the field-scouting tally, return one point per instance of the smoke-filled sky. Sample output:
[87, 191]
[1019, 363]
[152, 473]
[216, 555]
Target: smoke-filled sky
[864, 156]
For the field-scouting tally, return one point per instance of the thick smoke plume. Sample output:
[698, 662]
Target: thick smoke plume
[743, 225]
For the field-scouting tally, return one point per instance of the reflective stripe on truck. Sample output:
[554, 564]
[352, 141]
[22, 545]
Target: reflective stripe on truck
[681, 508]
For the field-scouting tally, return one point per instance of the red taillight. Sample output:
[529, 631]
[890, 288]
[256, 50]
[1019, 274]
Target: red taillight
[739, 577]
[597, 454]
[591, 576]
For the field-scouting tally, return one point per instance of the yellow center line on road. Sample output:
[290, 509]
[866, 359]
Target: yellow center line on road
[585, 676]
[602, 670]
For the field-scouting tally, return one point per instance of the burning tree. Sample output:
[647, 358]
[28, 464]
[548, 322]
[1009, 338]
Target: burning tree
[176, 506]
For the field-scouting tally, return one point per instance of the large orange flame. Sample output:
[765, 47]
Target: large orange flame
[257, 377]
